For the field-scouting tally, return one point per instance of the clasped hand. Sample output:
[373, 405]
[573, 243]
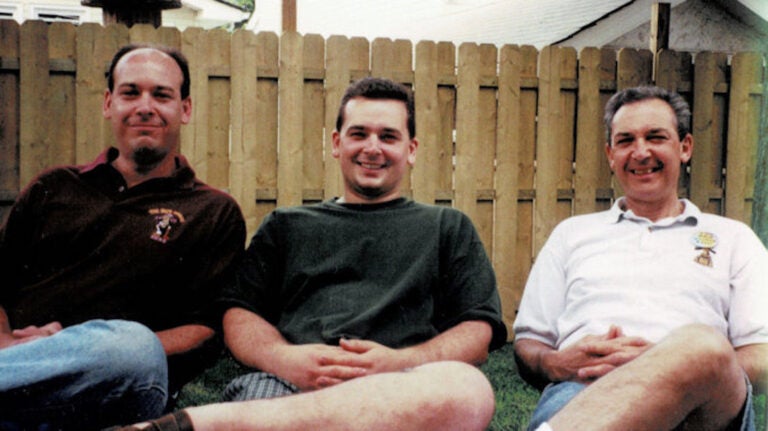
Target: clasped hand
[30, 333]
[594, 356]
[315, 366]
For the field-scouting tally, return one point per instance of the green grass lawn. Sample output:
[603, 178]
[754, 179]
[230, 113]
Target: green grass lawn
[515, 399]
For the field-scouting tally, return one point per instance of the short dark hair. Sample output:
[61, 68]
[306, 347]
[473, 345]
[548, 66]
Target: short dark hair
[379, 88]
[637, 94]
[175, 54]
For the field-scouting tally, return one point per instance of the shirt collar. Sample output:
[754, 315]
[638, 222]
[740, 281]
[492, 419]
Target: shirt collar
[690, 215]
[184, 175]
[370, 207]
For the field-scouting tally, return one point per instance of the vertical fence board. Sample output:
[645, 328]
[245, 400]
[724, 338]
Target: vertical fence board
[673, 70]
[426, 174]
[550, 118]
[265, 140]
[526, 162]
[194, 137]
[719, 118]
[216, 152]
[589, 150]
[9, 115]
[243, 108]
[314, 115]
[34, 152]
[743, 122]
[609, 82]
[634, 68]
[467, 126]
[290, 118]
[507, 158]
[446, 99]
[707, 163]
[566, 133]
[61, 94]
[484, 167]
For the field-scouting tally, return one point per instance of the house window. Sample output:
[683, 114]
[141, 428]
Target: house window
[8, 11]
[58, 14]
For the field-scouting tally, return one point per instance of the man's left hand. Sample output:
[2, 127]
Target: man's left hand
[381, 358]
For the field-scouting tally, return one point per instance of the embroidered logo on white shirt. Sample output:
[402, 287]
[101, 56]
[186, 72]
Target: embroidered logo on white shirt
[706, 242]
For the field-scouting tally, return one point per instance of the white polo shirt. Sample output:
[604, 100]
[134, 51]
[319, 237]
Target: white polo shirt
[615, 268]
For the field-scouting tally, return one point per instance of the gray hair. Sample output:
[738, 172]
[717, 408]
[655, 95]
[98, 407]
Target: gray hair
[637, 94]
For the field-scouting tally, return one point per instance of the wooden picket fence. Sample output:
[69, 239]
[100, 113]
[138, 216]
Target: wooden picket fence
[512, 136]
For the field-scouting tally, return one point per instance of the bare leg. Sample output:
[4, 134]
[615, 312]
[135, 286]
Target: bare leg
[438, 396]
[691, 376]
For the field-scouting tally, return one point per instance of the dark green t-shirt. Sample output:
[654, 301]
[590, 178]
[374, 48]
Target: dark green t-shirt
[397, 273]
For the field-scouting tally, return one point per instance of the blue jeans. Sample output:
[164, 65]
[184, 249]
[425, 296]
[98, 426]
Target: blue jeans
[554, 398]
[86, 376]
[557, 395]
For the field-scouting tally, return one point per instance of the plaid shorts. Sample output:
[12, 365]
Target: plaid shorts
[258, 385]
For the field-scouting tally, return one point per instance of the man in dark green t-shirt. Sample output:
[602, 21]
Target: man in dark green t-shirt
[365, 283]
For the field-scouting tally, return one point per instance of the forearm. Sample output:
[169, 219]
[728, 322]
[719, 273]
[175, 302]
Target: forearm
[754, 359]
[530, 364]
[6, 336]
[5, 324]
[184, 338]
[466, 342]
[252, 340]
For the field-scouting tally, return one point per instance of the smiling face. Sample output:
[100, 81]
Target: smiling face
[145, 107]
[645, 154]
[374, 149]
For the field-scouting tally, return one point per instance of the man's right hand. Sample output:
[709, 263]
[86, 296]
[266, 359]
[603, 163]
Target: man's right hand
[30, 333]
[593, 356]
[316, 366]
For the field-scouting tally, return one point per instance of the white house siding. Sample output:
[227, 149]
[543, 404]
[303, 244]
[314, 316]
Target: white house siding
[199, 13]
[26, 9]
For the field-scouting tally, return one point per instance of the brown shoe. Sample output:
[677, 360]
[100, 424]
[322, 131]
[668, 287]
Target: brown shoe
[177, 421]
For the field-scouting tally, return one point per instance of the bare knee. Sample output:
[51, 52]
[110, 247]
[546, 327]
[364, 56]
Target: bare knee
[709, 356]
[466, 400]
[711, 374]
[696, 360]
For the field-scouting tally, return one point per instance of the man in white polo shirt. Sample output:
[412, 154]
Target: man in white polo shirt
[651, 315]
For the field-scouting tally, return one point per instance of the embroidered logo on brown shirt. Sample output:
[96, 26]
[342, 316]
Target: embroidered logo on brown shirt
[165, 221]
